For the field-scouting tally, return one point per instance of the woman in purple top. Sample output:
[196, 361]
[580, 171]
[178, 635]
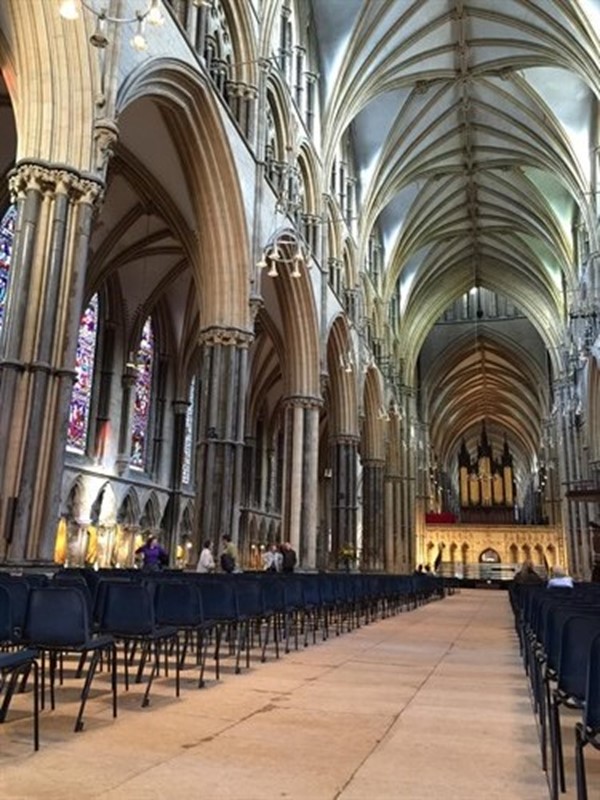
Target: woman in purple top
[153, 554]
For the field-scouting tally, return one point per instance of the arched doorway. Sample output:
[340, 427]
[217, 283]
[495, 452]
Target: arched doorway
[489, 556]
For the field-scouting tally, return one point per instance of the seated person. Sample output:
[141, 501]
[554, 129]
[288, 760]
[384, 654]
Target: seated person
[560, 579]
[527, 574]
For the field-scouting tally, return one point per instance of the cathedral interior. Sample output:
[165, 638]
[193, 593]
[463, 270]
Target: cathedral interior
[317, 271]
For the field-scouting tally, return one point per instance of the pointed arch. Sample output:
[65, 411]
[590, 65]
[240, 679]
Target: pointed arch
[342, 369]
[213, 186]
[376, 417]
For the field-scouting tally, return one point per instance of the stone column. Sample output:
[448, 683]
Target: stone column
[406, 546]
[220, 446]
[37, 351]
[344, 492]
[300, 463]
[392, 489]
[128, 379]
[173, 507]
[373, 511]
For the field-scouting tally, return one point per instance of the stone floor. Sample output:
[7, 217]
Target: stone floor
[431, 703]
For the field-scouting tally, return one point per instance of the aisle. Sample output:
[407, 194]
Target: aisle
[432, 703]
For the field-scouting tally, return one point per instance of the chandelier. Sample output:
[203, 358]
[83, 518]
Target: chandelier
[151, 14]
[285, 248]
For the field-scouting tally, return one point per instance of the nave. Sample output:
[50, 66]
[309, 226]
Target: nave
[430, 703]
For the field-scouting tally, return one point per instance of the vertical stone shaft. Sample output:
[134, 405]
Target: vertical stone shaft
[37, 353]
[220, 446]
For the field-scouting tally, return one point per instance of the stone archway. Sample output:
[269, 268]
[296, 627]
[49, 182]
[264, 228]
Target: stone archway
[489, 556]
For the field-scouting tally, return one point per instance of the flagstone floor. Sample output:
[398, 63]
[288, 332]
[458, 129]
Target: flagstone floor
[427, 704]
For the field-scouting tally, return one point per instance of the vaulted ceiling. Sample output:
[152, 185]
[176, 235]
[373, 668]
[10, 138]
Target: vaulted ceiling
[475, 131]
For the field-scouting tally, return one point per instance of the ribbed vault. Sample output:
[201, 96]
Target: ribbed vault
[473, 125]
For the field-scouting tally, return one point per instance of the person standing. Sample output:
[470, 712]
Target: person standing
[289, 558]
[153, 555]
[206, 562]
[272, 559]
[229, 556]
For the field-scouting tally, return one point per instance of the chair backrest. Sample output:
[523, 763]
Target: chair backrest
[57, 616]
[177, 603]
[578, 632]
[78, 582]
[218, 598]
[128, 609]
[6, 623]
[18, 591]
[249, 597]
[310, 590]
[591, 712]
[101, 594]
[293, 592]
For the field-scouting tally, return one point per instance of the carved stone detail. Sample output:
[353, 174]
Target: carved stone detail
[229, 337]
[52, 179]
[303, 401]
[106, 134]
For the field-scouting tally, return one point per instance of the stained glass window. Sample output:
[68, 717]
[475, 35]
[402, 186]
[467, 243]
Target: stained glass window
[7, 231]
[142, 394]
[81, 396]
[186, 469]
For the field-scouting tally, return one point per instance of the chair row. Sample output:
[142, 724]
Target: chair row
[155, 618]
[559, 634]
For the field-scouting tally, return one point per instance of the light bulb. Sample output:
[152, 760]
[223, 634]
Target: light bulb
[155, 16]
[98, 37]
[68, 9]
[262, 263]
[139, 42]
[272, 273]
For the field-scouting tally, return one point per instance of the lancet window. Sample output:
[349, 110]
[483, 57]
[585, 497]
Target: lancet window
[81, 394]
[7, 231]
[142, 396]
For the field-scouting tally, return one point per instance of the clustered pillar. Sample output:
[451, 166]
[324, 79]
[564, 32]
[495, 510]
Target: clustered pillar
[220, 446]
[299, 506]
[344, 493]
[37, 350]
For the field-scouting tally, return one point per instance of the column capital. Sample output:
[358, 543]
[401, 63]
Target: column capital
[302, 401]
[229, 337]
[373, 463]
[345, 438]
[180, 407]
[49, 178]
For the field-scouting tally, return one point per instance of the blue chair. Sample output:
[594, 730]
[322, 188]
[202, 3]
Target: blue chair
[16, 665]
[588, 730]
[18, 590]
[57, 622]
[179, 603]
[576, 637]
[250, 613]
[220, 610]
[128, 615]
